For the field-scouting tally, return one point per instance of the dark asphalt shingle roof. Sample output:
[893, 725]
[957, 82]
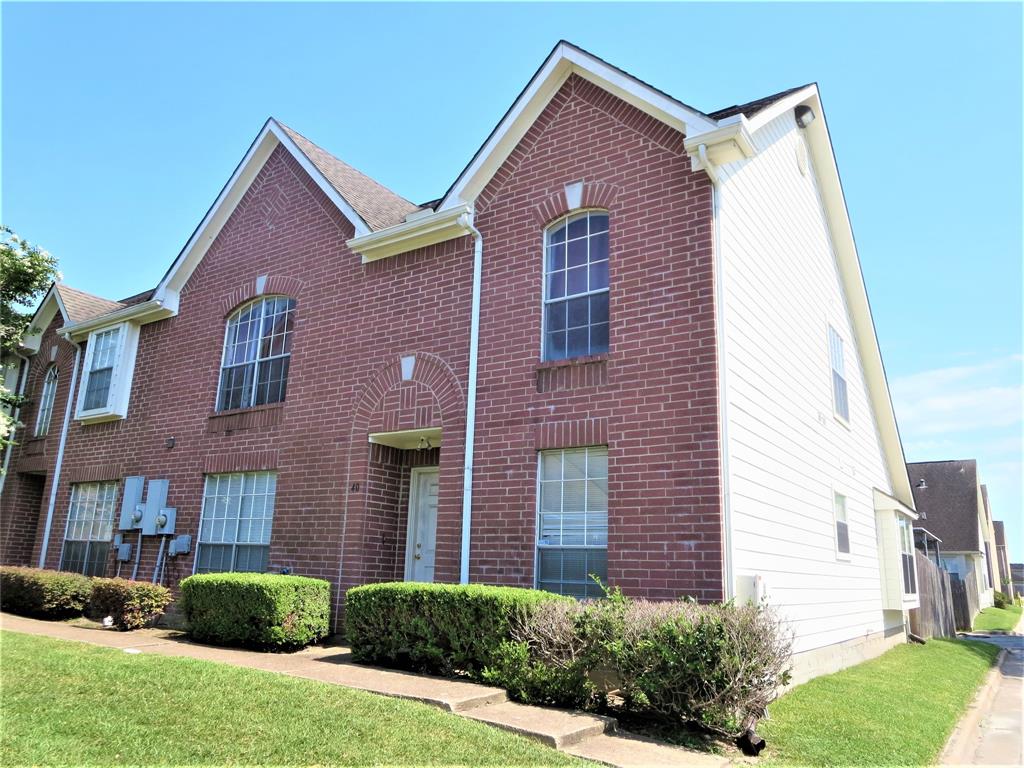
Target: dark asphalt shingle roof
[1000, 530]
[82, 306]
[949, 503]
[751, 108]
[377, 205]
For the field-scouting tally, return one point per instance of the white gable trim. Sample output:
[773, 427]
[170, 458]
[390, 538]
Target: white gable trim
[270, 136]
[848, 261]
[563, 61]
[47, 310]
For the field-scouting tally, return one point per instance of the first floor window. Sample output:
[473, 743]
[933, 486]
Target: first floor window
[572, 541]
[842, 525]
[90, 528]
[234, 532]
[101, 369]
[907, 557]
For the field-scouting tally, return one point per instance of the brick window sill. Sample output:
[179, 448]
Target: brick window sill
[237, 419]
[573, 361]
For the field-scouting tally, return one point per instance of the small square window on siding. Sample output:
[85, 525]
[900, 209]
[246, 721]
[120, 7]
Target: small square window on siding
[840, 398]
[842, 524]
[90, 528]
[576, 286]
[237, 516]
[572, 536]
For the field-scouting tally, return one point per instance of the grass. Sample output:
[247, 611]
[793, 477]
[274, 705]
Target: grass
[1004, 619]
[70, 703]
[897, 709]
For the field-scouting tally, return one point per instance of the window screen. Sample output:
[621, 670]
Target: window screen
[842, 525]
[840, 398]
[238, 512]
[101, 369]
[90, 528]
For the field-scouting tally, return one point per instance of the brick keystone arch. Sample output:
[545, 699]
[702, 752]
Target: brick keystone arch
[273, 285]
[595, 194]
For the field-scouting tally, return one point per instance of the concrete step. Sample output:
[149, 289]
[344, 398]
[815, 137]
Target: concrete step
[556, 728]
[626, 750]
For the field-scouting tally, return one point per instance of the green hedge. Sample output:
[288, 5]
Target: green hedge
[131, 604]
[437, 628]
[257, 610]
[44, 594]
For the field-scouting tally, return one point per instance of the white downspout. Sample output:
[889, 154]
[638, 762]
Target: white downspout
[55, 483]
[728, 583]
[474, 348]
[22, 381]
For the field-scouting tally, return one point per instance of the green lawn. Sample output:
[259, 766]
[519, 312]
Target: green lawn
[71, 703]
[997, 618]
[898, 709]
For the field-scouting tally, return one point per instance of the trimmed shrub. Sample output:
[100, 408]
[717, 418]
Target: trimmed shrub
[714, 666]
[131, 604]
[1000, 599]
[256, 610]
[438, 628]
[42, 593]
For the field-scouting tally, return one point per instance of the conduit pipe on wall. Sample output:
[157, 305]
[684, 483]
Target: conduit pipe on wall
[474, 348]
[22, 380]
[55, 482]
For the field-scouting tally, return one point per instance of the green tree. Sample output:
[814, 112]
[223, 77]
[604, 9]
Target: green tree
[26, 271]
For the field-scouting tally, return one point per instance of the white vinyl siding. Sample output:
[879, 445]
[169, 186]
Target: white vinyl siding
[90, 528]
[572, 538]
[236, 520]
[785, 450]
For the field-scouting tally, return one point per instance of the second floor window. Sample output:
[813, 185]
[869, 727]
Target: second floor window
[840, 398]
[576, 286]
[106, 346]
[257, 350]
[46, 402]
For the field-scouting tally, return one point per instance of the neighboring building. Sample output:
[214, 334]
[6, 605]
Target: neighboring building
[1002, 559]
[1017, 576]
[953, 505]
[631, 340]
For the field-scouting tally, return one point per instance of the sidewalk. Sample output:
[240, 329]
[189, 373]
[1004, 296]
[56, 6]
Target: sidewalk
[589, 736]
[991, 731]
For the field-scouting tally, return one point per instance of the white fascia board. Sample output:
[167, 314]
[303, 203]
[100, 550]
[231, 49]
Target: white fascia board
[564, 61]
[139, 314]
[769, 113]
[48, 308]
[848, 262]
[269, 137]
[886, 501]
[728, 143]
[410, 235]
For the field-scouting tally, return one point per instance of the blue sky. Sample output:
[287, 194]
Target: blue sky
[121, 122]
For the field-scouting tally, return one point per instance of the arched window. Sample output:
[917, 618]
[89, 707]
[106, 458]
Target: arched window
[576, 286]
[257, 348]
[46, 402]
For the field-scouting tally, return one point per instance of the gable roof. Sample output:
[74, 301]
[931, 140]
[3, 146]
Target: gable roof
[949, 502]
[751, 108]
[80, 306]
[377, 205]
[1000, 531]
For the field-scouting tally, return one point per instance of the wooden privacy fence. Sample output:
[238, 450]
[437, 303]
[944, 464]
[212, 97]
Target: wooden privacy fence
[965, 600]
[935, 617]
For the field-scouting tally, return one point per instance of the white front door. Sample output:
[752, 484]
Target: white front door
[421, 546]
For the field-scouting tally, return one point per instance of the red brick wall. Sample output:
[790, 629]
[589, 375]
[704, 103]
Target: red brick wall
[340, 511]
[652, 398]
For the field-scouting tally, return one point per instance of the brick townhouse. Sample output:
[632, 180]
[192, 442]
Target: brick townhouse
[630, 341]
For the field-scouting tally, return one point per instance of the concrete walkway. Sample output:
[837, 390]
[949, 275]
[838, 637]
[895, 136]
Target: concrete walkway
[593, 737]
[992, 731]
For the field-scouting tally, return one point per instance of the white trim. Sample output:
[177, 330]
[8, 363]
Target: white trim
[52, 374]
[121, 375]
[33, 336]
[435, 227]
[269, 137]
[146, 312]
[562, 62]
